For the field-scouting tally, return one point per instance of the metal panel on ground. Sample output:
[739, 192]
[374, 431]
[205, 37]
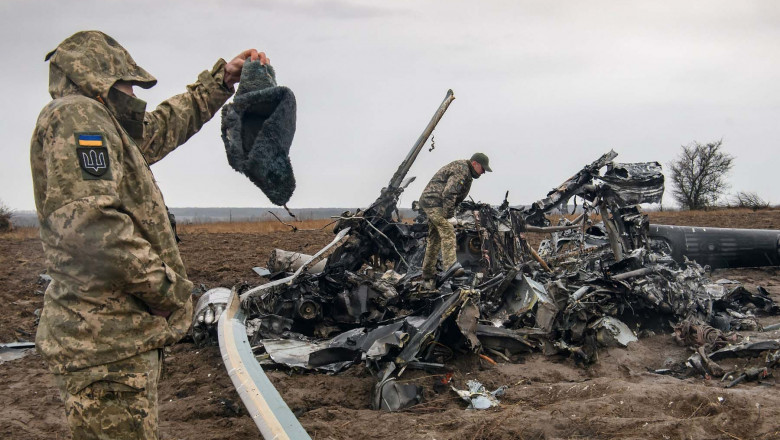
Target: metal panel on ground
[263, 402]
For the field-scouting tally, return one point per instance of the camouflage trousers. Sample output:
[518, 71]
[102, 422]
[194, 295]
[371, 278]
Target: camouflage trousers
[113, 401]
[441, 237]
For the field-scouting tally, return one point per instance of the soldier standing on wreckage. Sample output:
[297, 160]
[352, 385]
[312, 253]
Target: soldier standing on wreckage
[445, 191]
[119, 291]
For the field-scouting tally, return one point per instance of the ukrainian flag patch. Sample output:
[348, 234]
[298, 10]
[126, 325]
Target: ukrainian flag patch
[92, 154]
[90, 140]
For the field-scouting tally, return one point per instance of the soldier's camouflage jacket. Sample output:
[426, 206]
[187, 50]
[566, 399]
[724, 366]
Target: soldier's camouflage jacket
[448, 187]
[108, 243]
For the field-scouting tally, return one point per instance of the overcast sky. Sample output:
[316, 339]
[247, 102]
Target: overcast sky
[541, 87]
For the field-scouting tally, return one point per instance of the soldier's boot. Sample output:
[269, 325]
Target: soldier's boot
[456, 270]
[429, 277]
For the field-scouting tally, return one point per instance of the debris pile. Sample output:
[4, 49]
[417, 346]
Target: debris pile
[599, 280]
[590, 285]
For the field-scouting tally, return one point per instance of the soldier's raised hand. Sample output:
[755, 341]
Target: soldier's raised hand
[233, 68]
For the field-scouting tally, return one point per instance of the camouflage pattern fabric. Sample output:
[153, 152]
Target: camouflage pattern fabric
[441, 237]
[108, 244]
[448, 187]
[116, 401]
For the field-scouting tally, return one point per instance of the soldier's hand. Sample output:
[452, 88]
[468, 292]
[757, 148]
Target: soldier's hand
[156, 312]
[233, 68]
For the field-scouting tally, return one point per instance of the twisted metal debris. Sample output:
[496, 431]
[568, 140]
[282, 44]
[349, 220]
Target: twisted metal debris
[600, 279]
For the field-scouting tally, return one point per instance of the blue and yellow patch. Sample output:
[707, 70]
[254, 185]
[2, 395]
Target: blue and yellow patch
[89, 140]
[93, 158]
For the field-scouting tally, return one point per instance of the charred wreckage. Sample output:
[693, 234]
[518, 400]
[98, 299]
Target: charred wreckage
[601, 279]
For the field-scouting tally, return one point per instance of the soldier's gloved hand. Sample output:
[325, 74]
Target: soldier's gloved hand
[207, 312]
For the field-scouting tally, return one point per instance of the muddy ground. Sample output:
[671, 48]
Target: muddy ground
[548, 397]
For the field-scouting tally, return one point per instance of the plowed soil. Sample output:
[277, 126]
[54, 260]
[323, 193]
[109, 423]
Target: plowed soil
[547, 398]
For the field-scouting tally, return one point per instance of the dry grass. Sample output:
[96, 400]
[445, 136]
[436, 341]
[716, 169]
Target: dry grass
[251, 227]
[20, 233]
[554, 218]
[735, 217]
[263, 227]
[204, 228]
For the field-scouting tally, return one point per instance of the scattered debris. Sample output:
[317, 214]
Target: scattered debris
[261, 271]
[479, 398]
[15, 350]
[768, 328]
[746, 349]
[389, 395]
[611, 332]
[751, 374]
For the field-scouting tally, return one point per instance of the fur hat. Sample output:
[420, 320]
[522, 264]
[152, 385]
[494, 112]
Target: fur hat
[258, 129]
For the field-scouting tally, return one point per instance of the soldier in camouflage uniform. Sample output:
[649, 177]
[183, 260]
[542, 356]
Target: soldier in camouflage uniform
[447, 188]
[119, 291]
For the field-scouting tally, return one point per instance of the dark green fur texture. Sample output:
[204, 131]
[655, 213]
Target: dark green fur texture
[258, 129]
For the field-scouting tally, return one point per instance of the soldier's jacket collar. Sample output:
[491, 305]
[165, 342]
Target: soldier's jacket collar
[129, 111]
[89, 63]
[473, 172]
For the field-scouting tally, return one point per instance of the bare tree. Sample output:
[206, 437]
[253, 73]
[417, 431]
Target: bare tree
[698, 174]
[744, 199]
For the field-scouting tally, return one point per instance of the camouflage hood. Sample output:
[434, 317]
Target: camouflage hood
[89, 63]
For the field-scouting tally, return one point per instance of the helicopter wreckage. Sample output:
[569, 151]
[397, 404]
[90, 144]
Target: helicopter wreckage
[601, 279]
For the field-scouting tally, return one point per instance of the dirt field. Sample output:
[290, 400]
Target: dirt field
[548, 397]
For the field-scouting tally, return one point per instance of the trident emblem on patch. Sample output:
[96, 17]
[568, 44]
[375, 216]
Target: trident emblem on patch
[94, 161]
[92, 154]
